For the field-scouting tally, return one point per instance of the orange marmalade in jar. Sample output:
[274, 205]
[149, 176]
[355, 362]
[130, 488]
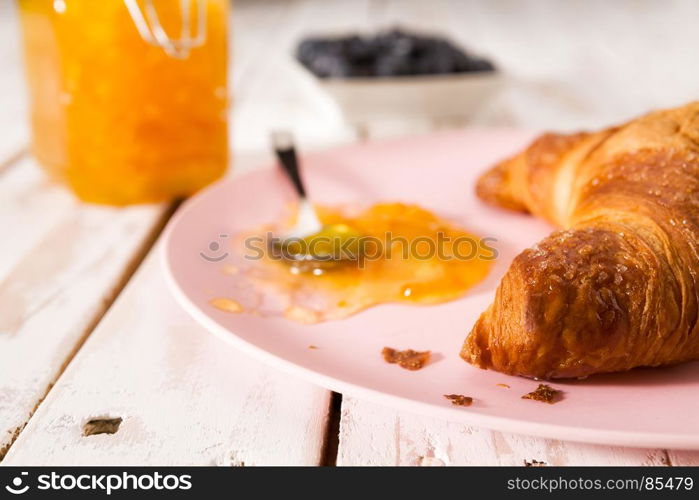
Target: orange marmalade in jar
[129, 97]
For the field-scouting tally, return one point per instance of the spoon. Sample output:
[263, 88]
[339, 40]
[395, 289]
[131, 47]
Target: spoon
[310, 245]
[307, 221]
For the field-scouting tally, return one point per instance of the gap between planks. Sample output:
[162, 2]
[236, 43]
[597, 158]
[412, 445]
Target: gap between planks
[332, 431]
[13, 159]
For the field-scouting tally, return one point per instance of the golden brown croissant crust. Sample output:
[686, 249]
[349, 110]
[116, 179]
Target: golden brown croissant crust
[617, 288]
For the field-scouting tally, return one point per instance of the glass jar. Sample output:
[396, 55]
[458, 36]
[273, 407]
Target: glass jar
[129, 97]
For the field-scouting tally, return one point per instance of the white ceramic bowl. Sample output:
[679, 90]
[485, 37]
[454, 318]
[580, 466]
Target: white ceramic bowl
[433, 96]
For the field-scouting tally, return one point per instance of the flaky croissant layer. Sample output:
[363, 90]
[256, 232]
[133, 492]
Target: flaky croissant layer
[617, 287]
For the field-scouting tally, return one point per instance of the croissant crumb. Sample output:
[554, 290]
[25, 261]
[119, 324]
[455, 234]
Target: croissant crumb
[545, 394]
[459, 399]
[408, 359]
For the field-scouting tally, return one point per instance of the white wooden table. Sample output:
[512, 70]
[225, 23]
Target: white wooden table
[89, 331]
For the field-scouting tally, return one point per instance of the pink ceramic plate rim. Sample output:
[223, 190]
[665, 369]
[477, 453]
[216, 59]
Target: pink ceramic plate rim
[513, 424]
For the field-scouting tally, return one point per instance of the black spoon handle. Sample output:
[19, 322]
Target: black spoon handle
[284, 148]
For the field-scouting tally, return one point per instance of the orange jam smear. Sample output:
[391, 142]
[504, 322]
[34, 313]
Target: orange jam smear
[423, 259]
[227, 305]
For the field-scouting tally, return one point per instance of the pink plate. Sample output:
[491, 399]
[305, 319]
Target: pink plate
[649, 408]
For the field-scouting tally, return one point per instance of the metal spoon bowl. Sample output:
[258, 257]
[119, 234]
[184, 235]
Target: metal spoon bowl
[334, 246]
[310, 245]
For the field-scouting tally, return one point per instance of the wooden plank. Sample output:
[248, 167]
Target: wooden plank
[566, 74]
[61, 263]
[183, 395]
[371, 434]
[683, 457]
[14, 125]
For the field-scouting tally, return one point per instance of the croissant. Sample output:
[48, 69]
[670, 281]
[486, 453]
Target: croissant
[617, 286]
